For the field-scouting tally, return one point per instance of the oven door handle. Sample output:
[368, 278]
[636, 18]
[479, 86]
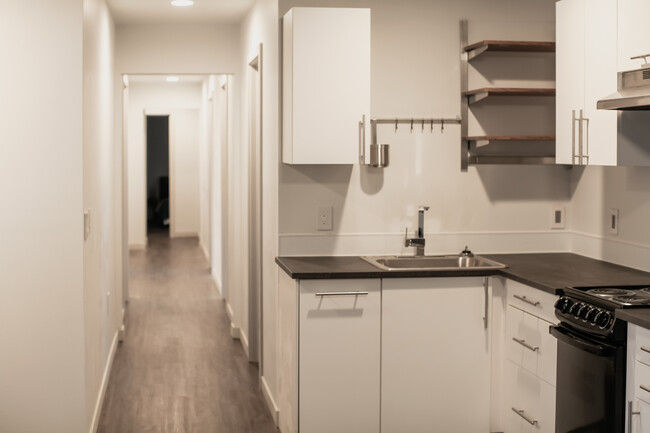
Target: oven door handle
[566, 336]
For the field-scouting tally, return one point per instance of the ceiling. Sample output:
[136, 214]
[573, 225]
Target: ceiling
[162, 78]
[162, 12]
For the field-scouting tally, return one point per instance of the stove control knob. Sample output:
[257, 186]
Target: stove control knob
[563, 304]
[584, 311]
[575, 308]
[602, 319]
[590, 316]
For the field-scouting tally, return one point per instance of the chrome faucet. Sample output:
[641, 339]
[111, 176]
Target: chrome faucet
[417, 242]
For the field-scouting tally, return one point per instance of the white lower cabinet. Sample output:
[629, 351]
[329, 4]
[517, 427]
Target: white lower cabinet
[529, 401]
[638, 380]
[339, 356]
[530, 363]
[435, 355]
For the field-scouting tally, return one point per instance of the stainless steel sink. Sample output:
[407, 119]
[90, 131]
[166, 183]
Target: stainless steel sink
[421, 263]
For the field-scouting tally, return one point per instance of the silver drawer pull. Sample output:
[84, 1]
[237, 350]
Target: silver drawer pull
[526, 345]
[522, 414]
[645, 349]
[341, 293]
[526, 300]
[645, 388]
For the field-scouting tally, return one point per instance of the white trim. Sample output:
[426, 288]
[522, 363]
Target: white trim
[176, 235]
[244, 342]
[138, 246]
[235, 332]
[205, 253]
[102, 389]
[317, 244]
[266, 391]
[620, 252]
[229, 312]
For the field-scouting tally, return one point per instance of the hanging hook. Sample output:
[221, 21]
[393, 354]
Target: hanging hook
[422, 125]
[442, 125]
[411, 124]
[395, 125]
[431, 125]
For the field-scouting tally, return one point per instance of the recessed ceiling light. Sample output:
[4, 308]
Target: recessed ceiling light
[182, 2]
[172, 79]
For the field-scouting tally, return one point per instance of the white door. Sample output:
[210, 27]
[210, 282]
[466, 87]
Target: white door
[600, 137]
[570, 75]
[435, 356]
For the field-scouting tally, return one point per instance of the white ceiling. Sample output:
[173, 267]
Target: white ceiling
[162, 78]
[161, 11]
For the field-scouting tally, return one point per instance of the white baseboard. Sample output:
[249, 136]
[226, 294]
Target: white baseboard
[138, 246]
[206, 254]
[104, 384]
[617, 251]
[275, 413]
[359, 244]
[235, 332]
[244, 342]
[183, 235]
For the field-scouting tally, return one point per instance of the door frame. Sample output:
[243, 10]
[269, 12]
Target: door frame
[255, 239]
[170, 149]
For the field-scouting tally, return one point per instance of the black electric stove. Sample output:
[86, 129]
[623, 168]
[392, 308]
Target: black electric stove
[590, 393]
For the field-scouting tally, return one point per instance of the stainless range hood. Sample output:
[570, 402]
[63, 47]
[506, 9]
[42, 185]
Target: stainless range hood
[633, 91]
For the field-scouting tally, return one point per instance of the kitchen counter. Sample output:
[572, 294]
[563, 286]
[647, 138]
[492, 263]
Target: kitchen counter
[549, 272]
[638, 316]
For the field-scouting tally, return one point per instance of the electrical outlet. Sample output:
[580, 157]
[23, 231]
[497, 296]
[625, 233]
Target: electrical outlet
[324, 218]
[558, 215]
[612, 222]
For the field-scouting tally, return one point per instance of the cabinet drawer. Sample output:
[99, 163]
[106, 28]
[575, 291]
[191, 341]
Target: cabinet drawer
[529, 344]
[642, 349]
[529, 402]
[641, 420]
[531, 300]
[642, 381]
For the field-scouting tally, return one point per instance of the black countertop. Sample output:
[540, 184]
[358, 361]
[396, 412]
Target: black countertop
[545, 271]
[638, 316]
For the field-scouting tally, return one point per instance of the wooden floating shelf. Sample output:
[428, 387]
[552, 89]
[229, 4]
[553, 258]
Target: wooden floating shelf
[509, 46]
[484, 140]
[511, 159]
[480, 94]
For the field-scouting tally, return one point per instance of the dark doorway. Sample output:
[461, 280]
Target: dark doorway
[157, 174]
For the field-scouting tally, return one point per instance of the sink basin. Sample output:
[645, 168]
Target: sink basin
[419, 263]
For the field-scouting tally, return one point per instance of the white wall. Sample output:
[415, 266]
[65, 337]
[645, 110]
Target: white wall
[102, 281]
[42, 365]
[183, 101]
[596, 190]
[483, 207]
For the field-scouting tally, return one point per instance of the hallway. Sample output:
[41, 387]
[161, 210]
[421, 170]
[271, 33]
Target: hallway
[178, 370]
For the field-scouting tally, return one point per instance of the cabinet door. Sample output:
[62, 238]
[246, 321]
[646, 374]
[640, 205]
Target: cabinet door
[600, 130]
[529, 402]
[633, 32]
[326, 84]
[569, 77]
[435, 356]
[339, 350]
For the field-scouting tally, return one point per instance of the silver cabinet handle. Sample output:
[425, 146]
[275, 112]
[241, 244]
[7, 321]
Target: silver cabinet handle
[580, 138]
[522, 414]
[362, 140]
[645, 349]
[526, 300]
[526, 345]
[630, 412]
[585, 156]
[341, 293]
[645, 388]
[574, 154]
[487, 296]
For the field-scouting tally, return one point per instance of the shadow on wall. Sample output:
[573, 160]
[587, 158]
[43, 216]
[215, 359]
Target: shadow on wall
[372, 179]
[506, 183]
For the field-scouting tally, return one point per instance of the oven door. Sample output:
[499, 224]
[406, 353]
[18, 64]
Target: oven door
[590, 394]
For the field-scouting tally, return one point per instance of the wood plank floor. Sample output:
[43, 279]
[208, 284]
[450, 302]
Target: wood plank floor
[178, 370]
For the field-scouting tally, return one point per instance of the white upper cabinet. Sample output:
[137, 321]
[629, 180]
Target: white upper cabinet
[326, 84]
[633, 32]
[586, 66]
